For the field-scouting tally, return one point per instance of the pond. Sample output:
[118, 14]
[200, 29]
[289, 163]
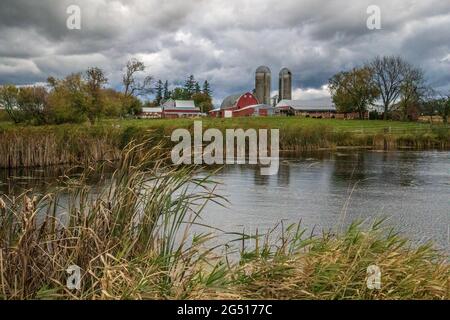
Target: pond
[323, 190]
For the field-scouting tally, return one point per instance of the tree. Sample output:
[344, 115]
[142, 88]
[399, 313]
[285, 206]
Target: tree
[412, 90]
[26, 104]
[134, 87]
[202, 101]
[207, 88]
[353, 91]
[180, 94]
[32, 102]
[197, 88]
[95, 80]
[69, 100]
[189, 87]
[9, 96]
[389, 74]
[132, 105]
[159, 89]
[444, 109]
[167, 93]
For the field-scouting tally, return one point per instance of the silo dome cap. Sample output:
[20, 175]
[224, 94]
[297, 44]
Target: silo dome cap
[263, 69]
[285, 71]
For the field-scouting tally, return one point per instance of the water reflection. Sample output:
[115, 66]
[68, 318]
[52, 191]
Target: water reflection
[320, 189]
[411, 189]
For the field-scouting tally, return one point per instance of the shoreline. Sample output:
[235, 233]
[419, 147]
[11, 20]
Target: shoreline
[84, 144]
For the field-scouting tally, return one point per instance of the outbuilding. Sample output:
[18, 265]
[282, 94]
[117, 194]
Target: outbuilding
[180, 109]
[151, 113]
[316, 108]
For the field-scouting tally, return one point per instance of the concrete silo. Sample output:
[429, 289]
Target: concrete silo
[263, 80]
[285, 85]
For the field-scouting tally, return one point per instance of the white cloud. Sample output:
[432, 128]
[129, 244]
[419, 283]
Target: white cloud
[311, 93]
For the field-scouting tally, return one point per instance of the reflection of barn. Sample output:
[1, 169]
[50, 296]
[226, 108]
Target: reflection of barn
[241, 105]
[318, 108]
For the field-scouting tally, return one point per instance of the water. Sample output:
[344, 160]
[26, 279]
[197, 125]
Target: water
[410, 189]
[323, 190]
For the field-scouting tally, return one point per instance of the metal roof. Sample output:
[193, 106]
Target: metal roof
[230, 101]
[179, 104]
[284, 71]
[324, 104]
[263, 69]
[151, 110]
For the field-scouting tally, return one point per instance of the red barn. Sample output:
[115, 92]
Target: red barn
[238, 105]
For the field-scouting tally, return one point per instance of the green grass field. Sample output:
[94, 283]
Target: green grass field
[369, 126]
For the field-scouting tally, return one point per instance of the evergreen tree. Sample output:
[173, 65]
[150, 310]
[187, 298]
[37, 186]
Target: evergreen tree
[189, 86]
[159, 89]
[197, 88]
[167, 93]
[207, 88]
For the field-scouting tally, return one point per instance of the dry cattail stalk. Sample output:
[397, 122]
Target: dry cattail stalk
[28, 204]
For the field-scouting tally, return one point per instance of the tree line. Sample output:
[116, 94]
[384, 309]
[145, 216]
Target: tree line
[191, 90]
[84, 96]
[396, 84]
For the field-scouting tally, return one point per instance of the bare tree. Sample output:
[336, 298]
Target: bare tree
[134, 87]
[389, 74]
[95, 78]
[412, 90]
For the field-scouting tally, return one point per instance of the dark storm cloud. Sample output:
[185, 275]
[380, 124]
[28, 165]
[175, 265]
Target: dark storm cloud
[219, 40]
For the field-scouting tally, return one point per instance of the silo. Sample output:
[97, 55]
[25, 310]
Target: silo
[285, 85]
[262, 84]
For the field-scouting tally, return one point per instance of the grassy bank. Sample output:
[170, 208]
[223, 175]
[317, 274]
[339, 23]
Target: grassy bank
[81, 144]
[134, 240]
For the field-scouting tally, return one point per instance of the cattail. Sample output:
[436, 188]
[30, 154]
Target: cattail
[28, 204]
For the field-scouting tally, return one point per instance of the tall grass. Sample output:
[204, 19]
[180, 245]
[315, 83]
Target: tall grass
[125, 239]
[86, 144]
[133, 239]
[334, 266]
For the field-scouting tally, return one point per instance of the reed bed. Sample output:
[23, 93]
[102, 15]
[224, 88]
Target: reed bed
[133, 239]
[86, 144]
[334, 266]
[126, 239]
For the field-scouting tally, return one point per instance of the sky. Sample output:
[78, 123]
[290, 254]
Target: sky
[223, 41]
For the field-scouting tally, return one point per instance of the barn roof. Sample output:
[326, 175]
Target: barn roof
[230, 101]
[179, 105]
[324, 104]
